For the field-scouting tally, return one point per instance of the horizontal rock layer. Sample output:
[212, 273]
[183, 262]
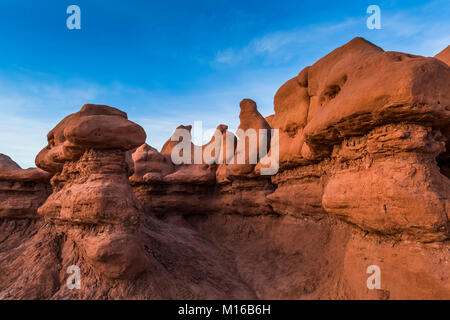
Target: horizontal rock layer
[363, 180]
[21, 191]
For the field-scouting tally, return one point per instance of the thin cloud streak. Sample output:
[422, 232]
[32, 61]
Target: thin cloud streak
[274, 46]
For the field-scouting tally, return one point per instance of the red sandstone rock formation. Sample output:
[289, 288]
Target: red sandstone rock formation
[150, 165]
[363, 180]
[93, 220]
[92, 188]
[221, 186]
[370, 126]
[444, 55]
[444, 158]
[251, 119]
[21, 191]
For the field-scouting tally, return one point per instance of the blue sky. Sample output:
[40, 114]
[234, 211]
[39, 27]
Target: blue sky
[175, 62]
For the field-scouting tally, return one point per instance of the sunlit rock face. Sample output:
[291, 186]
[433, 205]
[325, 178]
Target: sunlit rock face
[363, 180]
[86, 153]
[364, 139]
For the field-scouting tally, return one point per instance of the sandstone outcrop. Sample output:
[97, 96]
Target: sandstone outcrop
[21, 191]
[93, 221]
[444, 55]
[248, 152]
[149, 165]
[444, 158]
[86, 152]
[388, 182]
[311, 108]
[363, 142]
[220, 185]
[371, 150]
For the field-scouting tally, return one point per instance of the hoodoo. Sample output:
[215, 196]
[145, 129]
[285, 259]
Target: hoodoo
[363, 183]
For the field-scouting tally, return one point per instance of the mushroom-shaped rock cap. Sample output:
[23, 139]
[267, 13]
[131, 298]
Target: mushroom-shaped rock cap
[360, 86]
[354, 89]
[94, 126]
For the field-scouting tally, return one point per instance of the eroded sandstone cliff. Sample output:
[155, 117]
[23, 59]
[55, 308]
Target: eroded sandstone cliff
[363, 180]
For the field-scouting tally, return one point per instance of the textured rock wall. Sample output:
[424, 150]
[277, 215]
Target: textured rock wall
[92, 220]
[21, 191]
[363, 141]
[369, 147]
[227, 187]
[363, 180]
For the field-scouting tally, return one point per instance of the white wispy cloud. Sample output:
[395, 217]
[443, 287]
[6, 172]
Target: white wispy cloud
[422, 30]
[276, 47]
